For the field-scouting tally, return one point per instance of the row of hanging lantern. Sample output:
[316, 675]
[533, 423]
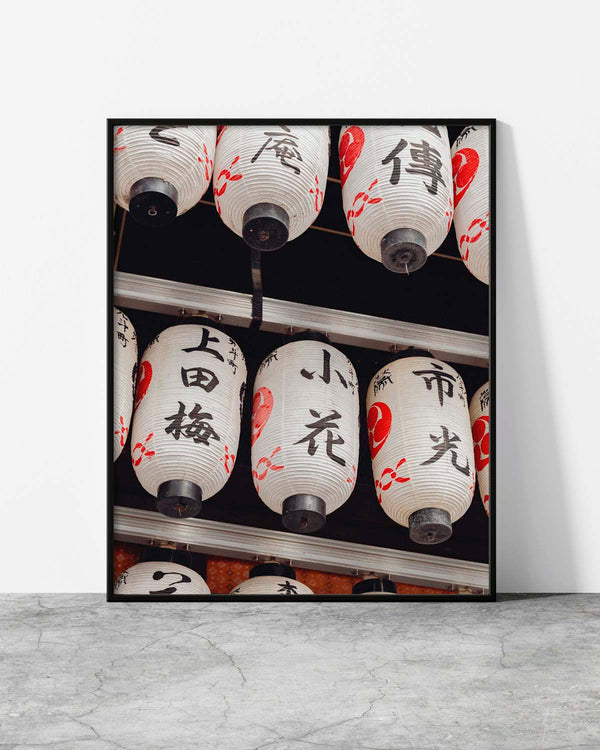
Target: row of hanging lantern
[167, 577]
[402, 185]
[305, 429]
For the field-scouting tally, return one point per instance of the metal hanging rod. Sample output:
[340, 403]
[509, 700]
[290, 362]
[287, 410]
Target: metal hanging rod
[355, 329]
[249, 543]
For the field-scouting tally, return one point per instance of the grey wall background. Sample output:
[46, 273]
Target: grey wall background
[67, 70]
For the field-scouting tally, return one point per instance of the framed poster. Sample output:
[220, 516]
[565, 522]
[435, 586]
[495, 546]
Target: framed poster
[301, 360]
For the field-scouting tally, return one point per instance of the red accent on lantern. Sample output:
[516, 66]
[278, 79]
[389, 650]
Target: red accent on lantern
[268, 463]
[143, 451]
[379, 424]
[464, 168]
[350, 148]
[364, 196]
[225, 173]
[318, 193]
[122, 433]
[208, 163]
[262, 406]
[393, 477]
[481, 439]
[228, 457]
[116, 149]
[144, 378]
[477, 227]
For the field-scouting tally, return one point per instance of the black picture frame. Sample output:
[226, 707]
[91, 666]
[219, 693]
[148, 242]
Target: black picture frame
[390, 598]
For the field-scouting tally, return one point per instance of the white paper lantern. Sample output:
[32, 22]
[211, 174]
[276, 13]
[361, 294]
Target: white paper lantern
[160, 578]
[470, 168]
[125, 362]
[272, 578]
[373, 585]
[397, 191]
[305, 432]
[186, 425]
[421, 445]
[480, 421]
[162, 171]
[270, 180]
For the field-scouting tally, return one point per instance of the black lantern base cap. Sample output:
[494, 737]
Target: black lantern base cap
[265, 226]
[303, 514]
[273, 569]
[374, 586]
[429, 526]
[179, 498]
[153, 202]
[403, 250]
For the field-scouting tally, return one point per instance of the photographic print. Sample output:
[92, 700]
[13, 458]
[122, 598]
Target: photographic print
[301, 360]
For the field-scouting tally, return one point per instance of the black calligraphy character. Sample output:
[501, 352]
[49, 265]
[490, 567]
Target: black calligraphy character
[267, 361]
[155, 133]
[198, 428]
[382, 380]
[242, 394]
[173, 587]
[202, 346]
[231, 362]
[134, 372]
[324, 423]
[287, 588]
[484, 399]
[326, 376]
[122, 579]
[199, 376]
[285, 146]
[393, 156]
[441, 378]
[426, 161]
[433, 129]
[445, 444]
[121, 334]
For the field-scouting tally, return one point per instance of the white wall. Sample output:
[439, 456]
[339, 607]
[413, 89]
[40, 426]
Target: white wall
[67, 66]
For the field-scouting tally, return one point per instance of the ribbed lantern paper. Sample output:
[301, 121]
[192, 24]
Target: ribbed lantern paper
[162, 171]
[186, 424]
[421, 445]
[125, 362]
[305, 432]
[160, 579]
[470, 168]
[480, 421]
[270, 180]
[272, 578]
[397, 191]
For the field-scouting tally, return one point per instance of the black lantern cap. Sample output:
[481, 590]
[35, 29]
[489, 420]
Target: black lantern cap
[309, 335]
[179, 498]
[403, 250]
[273, 569]
[303, 514]
[167, 554]
[153, 202]
[412, 352]
[429, 526]
[265, 226]
[374, 585]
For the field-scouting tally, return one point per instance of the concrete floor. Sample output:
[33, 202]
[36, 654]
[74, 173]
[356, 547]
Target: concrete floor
[79, 673]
